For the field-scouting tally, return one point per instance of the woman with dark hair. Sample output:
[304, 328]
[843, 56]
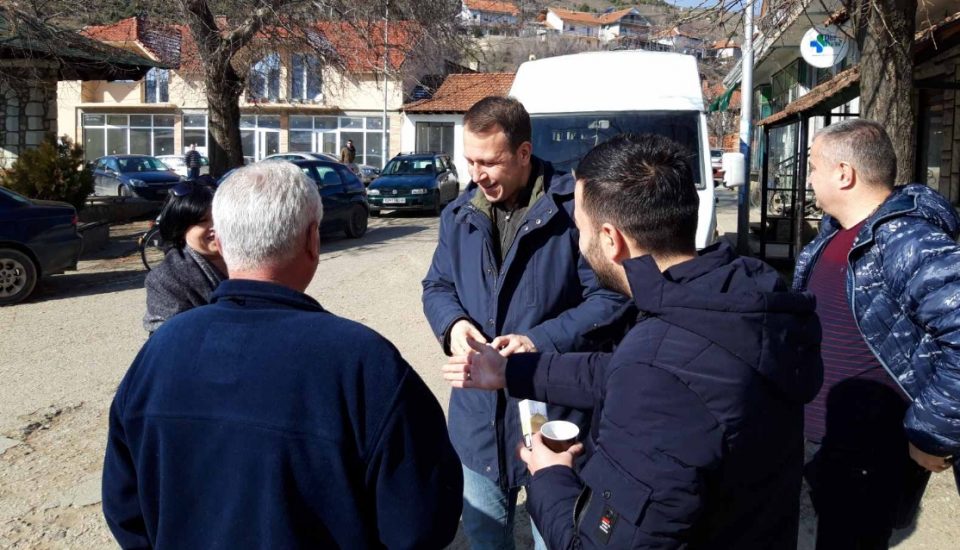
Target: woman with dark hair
[193, 267]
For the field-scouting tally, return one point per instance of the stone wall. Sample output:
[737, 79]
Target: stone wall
[28, 107]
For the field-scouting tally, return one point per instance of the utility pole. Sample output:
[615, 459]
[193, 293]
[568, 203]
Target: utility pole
[746, 130]
[384, 154]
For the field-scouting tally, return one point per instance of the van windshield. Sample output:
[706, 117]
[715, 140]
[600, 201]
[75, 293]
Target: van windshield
[565, 139]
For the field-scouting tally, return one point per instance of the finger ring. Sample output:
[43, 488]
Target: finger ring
[469, 376]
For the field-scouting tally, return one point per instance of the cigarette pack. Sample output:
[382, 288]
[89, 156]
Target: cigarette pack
[533, 414]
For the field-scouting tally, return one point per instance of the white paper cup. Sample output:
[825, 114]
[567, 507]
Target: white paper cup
[559, 435]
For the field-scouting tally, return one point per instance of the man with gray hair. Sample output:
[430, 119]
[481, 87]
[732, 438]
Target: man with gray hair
[885, 269]
[264, 421]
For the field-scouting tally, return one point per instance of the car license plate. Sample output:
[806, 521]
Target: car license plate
[390, 200]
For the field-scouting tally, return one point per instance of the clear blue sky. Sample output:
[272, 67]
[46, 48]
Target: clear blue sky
[704, 3]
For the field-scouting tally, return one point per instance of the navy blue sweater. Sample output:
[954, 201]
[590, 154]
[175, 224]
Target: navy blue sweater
[699, 441]
[262, 421]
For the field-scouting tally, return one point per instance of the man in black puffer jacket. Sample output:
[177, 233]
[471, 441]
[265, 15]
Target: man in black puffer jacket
[699, 442]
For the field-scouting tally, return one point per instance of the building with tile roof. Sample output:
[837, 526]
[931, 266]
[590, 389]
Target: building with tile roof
[436, 124]
[606, 26]
[34, 56]
[294, 101]
[490, 17]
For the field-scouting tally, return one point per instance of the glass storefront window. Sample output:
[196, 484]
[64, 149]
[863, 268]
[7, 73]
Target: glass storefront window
[140, 141]
[325, 122]
[351, 122]
[301, 123]
[93, 120]
[141, 120]
[163, 141]
[167, 121]
[117, 120]
[94, 145]
[272, 121]
[117, 141]
[301, 142]
[374, 123]
[194, 120]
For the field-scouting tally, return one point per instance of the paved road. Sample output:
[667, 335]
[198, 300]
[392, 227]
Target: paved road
[63, 353]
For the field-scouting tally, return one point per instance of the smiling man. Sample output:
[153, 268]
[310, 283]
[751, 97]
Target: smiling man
[507, 271]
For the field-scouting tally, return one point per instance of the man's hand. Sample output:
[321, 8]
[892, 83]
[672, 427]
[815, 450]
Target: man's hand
[509, 344]
[483, 368]
[935, 464]
[459, 333]
[542, 457]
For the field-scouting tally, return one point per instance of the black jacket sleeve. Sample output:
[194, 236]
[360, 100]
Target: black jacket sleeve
[574, 380]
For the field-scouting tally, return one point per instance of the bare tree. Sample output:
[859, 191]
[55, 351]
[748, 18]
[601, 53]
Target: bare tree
[231, 35]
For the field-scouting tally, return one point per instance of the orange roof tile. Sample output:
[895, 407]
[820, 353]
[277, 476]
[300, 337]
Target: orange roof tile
[591, 19]
[459, 92]
[175, 43]
[492, 6]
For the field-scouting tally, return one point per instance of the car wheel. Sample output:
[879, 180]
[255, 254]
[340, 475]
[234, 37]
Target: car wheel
[18, 276]
[357, 224]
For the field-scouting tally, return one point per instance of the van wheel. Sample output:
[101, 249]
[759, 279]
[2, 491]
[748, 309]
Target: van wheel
[18, 276]
[357, 224]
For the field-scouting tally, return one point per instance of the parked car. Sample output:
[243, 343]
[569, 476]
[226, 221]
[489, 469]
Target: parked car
[345, 206]
[415, 181]
[304, 156]
[178, 165]
[367, 173]
[133, 176]
[37, 238]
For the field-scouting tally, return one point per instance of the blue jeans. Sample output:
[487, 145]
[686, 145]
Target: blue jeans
[488, 514]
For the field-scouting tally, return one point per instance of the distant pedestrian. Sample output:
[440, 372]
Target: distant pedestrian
[885, 269]
[193, 160]
[348, 153]
[264, 421]
[193, 267]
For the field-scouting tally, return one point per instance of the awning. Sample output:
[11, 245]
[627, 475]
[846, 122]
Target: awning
[822, 99]
[722, 101]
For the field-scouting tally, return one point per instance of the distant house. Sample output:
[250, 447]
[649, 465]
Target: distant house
[490, 17]
[33, 57]
[605, 27]
[292, 102]
[679, 40]
[724, 49]
[436, 124]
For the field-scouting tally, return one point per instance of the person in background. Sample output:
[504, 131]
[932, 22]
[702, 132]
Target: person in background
[262, 420]
[193, 267]
[700, 407]
[193, 160]
[507, 270]
[885, 269]
[348, 153]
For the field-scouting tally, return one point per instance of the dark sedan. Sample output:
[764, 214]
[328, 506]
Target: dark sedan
[37, 238]
[344, 199]
[133, 176]
[419, 181]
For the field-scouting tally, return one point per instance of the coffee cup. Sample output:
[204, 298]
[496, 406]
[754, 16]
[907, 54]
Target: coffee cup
[559, 435]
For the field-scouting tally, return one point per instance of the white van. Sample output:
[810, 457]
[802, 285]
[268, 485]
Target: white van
[579, 101]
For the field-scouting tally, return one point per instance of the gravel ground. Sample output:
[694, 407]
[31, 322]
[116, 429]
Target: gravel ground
[63, 353]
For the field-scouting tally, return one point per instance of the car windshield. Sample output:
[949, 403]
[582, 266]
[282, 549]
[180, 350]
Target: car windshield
[565, 139]
[140, 164]
[172, 161]
[409, 167]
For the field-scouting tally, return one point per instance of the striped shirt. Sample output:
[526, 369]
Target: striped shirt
[844, 351]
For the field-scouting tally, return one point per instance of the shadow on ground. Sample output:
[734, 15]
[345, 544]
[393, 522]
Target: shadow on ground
[72, 285]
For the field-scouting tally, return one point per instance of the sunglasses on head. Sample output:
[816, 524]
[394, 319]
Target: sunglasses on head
[182, 189]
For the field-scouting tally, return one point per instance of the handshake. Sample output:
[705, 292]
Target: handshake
[478, 365]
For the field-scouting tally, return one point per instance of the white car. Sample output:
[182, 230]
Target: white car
[178, 165]
[304, 156]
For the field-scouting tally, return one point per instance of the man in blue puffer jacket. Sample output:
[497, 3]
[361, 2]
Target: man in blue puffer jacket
[886, 272]
[699, 440]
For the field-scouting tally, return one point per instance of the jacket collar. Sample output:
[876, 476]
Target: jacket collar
[555, 187]
[241, 291]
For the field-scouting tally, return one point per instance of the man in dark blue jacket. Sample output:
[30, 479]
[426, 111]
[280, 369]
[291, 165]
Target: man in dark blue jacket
[699, 442]
[263, 421]
[506, 270]
[885, 269]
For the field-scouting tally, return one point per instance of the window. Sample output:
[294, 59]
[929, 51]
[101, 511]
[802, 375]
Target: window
[195, 131]
[785, 86]
[157, 86]
[264, 79]
[127, 134]
[434, 136]
[306, 84]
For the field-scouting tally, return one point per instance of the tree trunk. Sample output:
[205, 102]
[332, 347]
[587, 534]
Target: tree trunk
[885, 33]
[223, 89]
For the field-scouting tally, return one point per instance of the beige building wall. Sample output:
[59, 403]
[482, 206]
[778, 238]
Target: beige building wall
[68, 117]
